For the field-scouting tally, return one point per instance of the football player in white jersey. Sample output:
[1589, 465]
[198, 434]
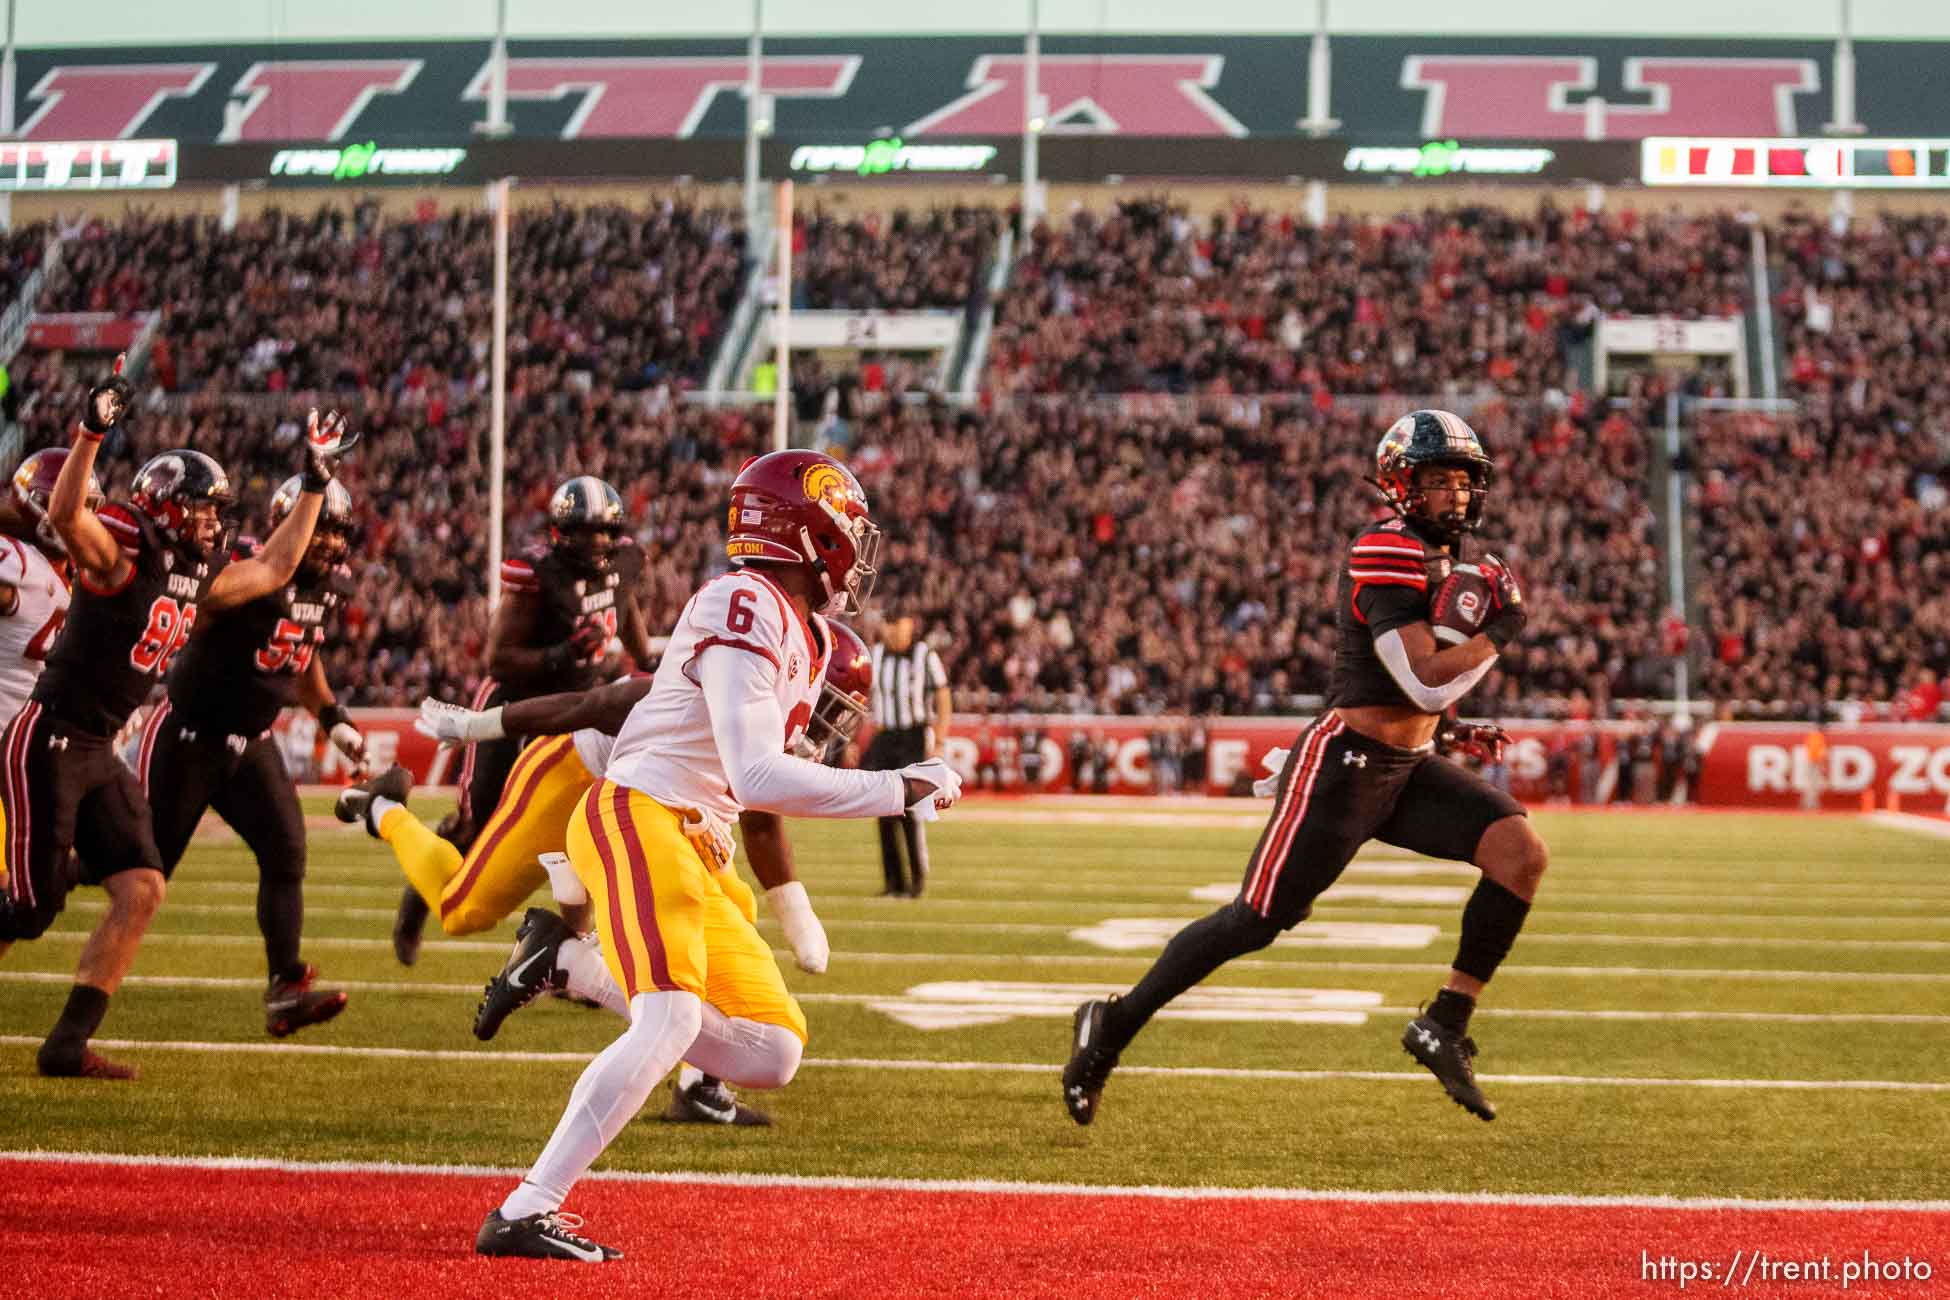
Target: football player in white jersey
[736, 687]
[33, 580]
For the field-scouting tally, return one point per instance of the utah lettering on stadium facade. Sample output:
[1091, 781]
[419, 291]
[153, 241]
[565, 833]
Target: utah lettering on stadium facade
[1386, 89]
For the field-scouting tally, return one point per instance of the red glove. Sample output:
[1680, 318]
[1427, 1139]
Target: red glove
[587, 641]
[1507, 613]
[1483, 741]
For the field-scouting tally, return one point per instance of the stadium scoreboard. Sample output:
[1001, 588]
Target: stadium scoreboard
[87, 165]
[1796, 164]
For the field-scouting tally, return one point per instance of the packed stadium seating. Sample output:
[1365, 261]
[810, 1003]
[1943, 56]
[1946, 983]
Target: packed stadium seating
[1146, 511]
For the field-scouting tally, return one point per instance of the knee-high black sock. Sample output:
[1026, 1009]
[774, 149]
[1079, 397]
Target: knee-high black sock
[1193, 953]
[61, 1053]
[1490, 922]
[281, 918]
[890, 852]
[917, 852]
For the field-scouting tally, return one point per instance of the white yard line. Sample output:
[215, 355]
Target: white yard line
[982, 1186]
[1899, 821]
[1418, 1077]
[500, 948]
[472, 989]
[1022, 927]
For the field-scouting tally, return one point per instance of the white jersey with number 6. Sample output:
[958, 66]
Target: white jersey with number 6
[27, 634]
[673, 749]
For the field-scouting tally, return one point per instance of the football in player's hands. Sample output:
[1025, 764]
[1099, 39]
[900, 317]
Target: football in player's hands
[1461, 605]
[1508, 614]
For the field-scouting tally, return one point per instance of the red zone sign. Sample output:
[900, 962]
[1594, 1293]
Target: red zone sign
[1742, 765]
[1166, 94]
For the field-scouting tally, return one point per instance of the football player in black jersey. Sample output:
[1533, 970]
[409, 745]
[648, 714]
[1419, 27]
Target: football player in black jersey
[1367, 769]
[209, 744]
[75, 814]
[564, 604]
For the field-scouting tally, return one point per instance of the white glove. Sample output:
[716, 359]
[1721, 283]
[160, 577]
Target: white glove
[328, 439]
[1275, 762]
[945, 780]
[802, 929]
[346, 738]
[451, 724]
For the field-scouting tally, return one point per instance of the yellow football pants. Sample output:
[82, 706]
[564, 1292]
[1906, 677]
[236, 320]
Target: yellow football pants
[666, 919]
[477, 891]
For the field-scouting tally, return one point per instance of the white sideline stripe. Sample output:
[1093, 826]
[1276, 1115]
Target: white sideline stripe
[222, 1164]
[1024, 1067]
[500, 947]
[1900, 821]
[1511, 1013]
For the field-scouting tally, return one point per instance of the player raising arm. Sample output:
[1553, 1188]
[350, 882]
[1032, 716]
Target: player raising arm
[735, 689]
[145, 569]
[209, 744]
[1366, 769]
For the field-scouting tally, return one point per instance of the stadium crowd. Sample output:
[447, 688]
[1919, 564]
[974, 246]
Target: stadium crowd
[1826, 532]
[1146, 298]
[1069, 550]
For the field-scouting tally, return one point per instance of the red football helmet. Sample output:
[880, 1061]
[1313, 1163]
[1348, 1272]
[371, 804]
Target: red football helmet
[800, 509]
[34, 488]
[843, 694]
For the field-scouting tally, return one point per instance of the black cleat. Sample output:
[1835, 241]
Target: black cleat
[355, 801]
[539, 1236]
[409, 926]
[528, 973]
[1090, 1064]
[59, 1063]
[708, 1101]
[1448, 1056]
[290, 1005]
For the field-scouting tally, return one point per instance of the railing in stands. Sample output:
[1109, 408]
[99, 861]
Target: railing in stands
[19, 313]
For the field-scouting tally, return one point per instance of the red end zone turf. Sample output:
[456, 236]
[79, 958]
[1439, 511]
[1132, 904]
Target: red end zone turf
[78, 1228]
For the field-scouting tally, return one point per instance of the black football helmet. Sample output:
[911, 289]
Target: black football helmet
[171, 488]
[585, 519]
[331, 539]
[1432, 438]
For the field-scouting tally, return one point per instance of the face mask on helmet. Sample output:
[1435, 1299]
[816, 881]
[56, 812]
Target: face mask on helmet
[842, 706]
[585, 518]
[184, 493]
[589, 550]
[1432, 439]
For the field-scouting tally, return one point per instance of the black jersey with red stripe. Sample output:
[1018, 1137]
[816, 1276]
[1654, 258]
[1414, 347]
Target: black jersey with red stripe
[117, 644]
[243, 665]
[567, 597]
[1392, 571]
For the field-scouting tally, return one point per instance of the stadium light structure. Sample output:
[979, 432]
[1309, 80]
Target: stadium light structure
[1843, 78]
[1319, 120]
[1035, 116]
[7, 73]
[498, 203]
[758, 112]
[782, 322]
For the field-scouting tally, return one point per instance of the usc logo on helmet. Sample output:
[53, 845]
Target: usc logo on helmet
[826, 483]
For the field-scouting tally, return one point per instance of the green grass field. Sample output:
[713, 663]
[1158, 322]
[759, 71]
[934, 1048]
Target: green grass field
[1750, 950]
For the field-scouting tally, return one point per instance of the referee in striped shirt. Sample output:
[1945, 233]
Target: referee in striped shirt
[907, 679]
